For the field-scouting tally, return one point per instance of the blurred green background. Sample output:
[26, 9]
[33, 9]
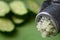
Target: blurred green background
[28, 30]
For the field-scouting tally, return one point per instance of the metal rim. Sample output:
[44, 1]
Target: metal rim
[50, 16]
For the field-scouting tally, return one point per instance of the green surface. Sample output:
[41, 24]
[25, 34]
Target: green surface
[27, 31]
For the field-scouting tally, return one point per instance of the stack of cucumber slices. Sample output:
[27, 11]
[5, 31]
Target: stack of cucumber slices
[17, 8]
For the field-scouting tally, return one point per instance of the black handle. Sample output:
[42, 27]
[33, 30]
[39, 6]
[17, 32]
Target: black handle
[52, 11]
[45, 4]
[56, 0]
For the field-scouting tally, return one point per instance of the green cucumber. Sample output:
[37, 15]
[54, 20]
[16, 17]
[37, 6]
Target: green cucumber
[4, 8]
[33, 6]
[6, 25]
[18, 8]
[17, 20]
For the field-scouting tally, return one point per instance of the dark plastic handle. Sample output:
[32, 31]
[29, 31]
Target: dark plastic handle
[45, 4]
[53, 11]
[56, 0]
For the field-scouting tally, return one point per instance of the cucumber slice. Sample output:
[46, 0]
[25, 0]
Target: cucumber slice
[4, 8]
[18, 8]
[6, 25]
[33, 6]
[17, 20]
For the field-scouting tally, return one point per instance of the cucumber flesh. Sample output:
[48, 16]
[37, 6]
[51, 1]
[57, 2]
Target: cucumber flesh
[17, 20]
[33, 6]
[4, 8]
[6, 25]
[18, 7]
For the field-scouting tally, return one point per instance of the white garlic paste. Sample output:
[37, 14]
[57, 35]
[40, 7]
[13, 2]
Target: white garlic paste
[46, 27]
